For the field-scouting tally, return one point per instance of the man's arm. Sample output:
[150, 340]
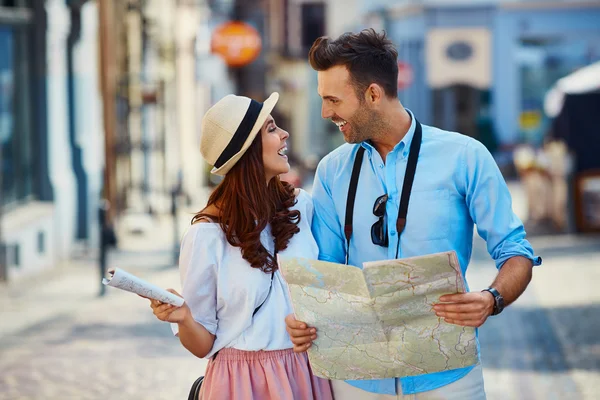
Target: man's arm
[326, 226]
[490, 207]
[513, 278]
[473, 309]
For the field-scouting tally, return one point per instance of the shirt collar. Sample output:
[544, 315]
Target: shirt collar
[404, 144]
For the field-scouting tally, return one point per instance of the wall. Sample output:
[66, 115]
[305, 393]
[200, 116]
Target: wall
[23, 228]
[61, 173]
[89, 123]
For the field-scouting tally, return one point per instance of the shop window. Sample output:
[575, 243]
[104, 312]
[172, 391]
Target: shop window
[16, 160]
[542, 62]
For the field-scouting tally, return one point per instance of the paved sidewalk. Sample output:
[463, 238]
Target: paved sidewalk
[546, 345]
[59, 340]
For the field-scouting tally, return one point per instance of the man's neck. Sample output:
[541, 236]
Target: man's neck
[397, 122]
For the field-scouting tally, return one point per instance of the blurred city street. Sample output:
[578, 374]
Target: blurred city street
[58, 340]
[101, 120]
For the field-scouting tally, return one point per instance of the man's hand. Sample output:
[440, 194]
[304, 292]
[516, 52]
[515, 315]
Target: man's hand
[301, 334]
[465, 309]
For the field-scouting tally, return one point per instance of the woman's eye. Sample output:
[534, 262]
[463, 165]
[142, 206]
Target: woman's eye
[272, 129]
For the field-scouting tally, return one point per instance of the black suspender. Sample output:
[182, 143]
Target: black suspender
[352, 196]
[409, 177]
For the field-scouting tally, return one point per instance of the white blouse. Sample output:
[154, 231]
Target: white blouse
[222, 290]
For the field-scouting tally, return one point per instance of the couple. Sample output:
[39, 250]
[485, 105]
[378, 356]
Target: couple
[237, 310]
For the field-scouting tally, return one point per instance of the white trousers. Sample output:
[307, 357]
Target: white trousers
[469, 387]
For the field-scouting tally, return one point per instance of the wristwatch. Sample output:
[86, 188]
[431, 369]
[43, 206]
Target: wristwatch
[498, 300]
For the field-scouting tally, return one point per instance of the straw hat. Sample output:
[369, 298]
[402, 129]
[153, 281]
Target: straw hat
[229, 127]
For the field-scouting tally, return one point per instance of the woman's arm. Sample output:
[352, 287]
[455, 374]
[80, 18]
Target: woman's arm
[192, 335]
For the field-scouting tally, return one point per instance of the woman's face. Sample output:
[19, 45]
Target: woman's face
[274, 149]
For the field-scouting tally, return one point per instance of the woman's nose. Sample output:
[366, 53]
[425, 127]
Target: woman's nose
[284, 134]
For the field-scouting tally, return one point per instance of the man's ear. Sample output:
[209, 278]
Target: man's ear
[374, 94]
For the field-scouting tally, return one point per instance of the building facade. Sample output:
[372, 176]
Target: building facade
[483, 67]
[50, 129]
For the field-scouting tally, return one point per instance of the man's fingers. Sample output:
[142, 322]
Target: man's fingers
[456, 298]
[460, 307]
[476, 323]
[461, 316]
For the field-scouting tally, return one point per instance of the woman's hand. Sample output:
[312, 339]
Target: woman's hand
[170, 313]
[301, 334]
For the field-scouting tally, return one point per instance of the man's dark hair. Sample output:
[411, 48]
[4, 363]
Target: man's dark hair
[369, 56]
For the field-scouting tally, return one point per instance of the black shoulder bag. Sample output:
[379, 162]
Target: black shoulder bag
[195, 390]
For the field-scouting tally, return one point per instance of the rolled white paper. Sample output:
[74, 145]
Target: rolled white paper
[131, 283]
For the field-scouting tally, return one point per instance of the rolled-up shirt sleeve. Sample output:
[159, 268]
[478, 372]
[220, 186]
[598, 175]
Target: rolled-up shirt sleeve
[490, 206]
[198, 271]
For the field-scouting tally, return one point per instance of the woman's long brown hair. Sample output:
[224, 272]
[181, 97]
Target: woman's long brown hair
[246, 205]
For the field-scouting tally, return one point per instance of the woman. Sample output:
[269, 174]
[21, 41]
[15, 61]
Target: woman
[235, 297]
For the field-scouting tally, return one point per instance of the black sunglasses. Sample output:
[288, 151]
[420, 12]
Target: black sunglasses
[379, 229]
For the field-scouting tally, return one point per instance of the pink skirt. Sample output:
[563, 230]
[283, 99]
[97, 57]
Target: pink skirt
[262, 375]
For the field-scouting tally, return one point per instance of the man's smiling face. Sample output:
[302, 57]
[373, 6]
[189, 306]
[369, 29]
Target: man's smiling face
[341, 104]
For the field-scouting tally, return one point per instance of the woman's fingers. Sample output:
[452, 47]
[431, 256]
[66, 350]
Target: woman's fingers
[174, 292]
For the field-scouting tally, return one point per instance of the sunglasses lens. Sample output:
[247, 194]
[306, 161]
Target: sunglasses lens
[378, 234]
[379, 206]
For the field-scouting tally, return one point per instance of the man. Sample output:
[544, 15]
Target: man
[456, 184]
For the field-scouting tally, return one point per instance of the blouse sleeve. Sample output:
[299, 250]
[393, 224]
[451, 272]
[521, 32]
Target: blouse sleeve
[198, 268]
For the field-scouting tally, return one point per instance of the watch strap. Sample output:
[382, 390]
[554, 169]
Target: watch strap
[498, 300]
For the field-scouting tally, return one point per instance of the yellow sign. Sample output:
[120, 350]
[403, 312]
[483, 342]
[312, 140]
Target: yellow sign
[530, 120]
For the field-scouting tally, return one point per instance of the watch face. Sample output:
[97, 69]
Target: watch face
[499, 306]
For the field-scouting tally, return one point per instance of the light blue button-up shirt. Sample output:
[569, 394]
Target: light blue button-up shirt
[457, 185]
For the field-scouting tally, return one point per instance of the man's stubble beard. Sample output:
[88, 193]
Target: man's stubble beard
[365, 125]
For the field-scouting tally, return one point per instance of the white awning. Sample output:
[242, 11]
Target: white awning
[584, 80]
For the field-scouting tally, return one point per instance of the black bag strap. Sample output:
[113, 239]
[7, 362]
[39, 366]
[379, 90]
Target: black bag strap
[266, 297]
[268, 293]
[271, 285]
[351, 197]
[409, 177]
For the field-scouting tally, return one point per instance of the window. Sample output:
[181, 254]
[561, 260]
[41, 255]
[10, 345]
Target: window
[542, 62]
[313, 23]
[16, 160]
[303, 22]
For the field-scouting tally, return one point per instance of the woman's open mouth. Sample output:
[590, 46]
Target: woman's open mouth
[282, 152]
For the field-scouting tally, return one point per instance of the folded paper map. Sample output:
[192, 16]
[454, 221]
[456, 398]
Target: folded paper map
[378, 322]
[131, 283]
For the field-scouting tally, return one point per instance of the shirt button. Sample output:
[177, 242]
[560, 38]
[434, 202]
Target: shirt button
[393, 233]
[380, 165]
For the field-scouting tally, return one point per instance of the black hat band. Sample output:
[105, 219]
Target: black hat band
[241, 134]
